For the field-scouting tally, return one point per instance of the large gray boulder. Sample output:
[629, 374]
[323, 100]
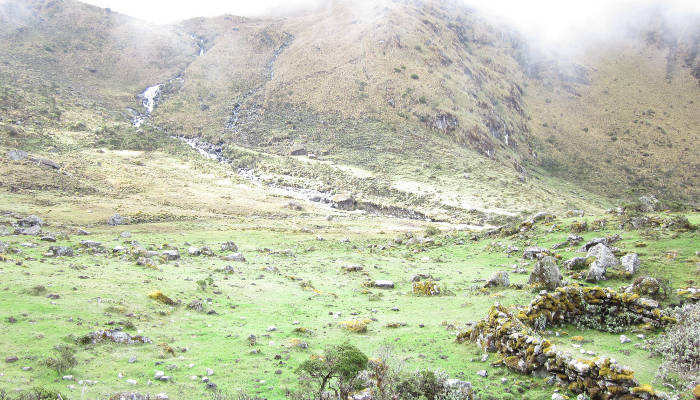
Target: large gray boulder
[630, 262]
[604, 259]
[546, 274]
[603, 256]
[31, 220]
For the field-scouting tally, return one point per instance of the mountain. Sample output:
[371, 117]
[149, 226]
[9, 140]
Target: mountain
[423, 107]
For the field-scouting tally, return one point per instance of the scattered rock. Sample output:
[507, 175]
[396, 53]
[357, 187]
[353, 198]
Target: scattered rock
[29, 231]
[648, 203]
[499, 278]
[343, 201]
[171, 255]
[604, 259]
[11, 359]
[630, 262]
[534, 252]
[229, 246]
[593, 242]
[194, 251]
[210, 372]
[195, 305]
[577, 263]
[125, 234]
[482, 373]
[115, 336]
[384, 284]
[546, 274]
[624, 339]
[115, 220]
[235, 257]
[17, 155]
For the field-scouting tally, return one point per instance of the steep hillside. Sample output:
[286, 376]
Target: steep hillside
[425, 108]
[628, 120]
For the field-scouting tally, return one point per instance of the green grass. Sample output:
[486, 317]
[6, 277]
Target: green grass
[253, 300]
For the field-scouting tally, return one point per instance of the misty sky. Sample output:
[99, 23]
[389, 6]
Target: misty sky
[548, 20]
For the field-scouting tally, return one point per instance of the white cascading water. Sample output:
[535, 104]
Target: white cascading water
[148, 100]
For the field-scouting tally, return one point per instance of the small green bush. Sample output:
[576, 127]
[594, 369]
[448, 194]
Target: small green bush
[414, 76]
[64, 361]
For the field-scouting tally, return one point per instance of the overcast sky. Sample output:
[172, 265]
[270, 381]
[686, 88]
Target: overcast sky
[548, 20]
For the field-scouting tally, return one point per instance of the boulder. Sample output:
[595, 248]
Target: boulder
[384, 284]
[648, 203]
[3, 247]
[61, 251]
[31, 220]
[498, 278]
[229, 246]
[534, 252]
[604, 257]
[30, 230]
[593, 242]
[16, 155]
[595, 273]
[543, 216]
[44, 162]
[115, 220]
[576, 263]
[630, 262]
[343, 201]
[235, 257]
[546, 274]
[194, 251]
[171, 255]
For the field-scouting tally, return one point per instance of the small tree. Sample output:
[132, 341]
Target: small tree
[64, 361]
[337, 369]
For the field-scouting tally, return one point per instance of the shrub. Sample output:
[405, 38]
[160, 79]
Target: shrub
[679, 347]
[64, 361]
[337, 369]
[414, 76]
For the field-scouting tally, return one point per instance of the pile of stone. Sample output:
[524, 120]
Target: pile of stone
[115, 336]
[689, 293]
[566, 304]
[510, 333]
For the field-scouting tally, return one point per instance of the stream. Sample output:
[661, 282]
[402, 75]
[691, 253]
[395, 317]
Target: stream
[149, 100]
